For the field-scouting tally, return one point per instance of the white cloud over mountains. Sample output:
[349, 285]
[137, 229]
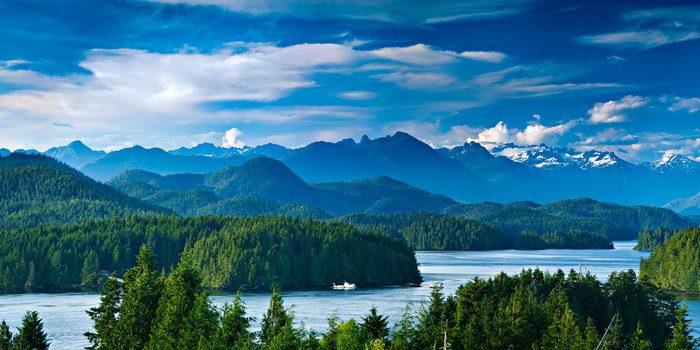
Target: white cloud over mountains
[614, 111]
[533, 134]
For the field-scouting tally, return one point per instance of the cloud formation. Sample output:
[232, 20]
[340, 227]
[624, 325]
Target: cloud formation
[407, 11]
[230, 139]
[651, 28]
[692, 105]
[533, 134]
[614, 111]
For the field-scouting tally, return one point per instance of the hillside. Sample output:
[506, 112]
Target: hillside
[585, 214]
[675, 264]
[38, 190]
[267, 186]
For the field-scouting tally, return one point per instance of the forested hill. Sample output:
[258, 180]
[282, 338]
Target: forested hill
[264, 186]
[675, 264]
[38, 190]
[430, 231]
[615, 221]
[229, 251]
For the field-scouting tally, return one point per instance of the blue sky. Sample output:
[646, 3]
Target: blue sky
[617, 76]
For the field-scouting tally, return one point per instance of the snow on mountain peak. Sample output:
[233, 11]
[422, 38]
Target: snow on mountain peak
[544, 157]
[674, 163]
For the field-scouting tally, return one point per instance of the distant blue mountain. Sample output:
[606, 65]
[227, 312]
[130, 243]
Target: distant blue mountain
[75, 154]
[154, 160]
[401, 157]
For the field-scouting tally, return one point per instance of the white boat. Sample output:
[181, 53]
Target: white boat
[436, 285]
[345, 285]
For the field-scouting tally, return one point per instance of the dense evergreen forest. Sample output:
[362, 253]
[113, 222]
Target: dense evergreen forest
[583, 214]
[229, 251]
[648, 239]
[530, 310]
[675, 264]
[428, 231]
[37, 190]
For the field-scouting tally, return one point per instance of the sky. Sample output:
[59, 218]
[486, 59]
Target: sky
[617, 76]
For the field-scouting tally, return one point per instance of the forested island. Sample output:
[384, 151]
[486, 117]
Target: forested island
[229, 251]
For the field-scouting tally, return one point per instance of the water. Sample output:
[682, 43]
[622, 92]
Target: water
[65, 319]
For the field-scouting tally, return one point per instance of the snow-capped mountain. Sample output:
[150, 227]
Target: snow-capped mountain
[548, 158]
[673, 163]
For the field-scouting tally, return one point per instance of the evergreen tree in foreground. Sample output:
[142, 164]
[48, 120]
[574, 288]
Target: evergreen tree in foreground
[31, 335]
[105, 316]
[5, 336]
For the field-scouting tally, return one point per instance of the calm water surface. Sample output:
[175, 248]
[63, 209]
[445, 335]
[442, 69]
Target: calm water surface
[65, 319]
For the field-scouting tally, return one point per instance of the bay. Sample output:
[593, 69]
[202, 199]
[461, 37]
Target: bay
[65, 320]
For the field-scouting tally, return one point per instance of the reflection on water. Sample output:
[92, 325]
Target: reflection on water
[65, 320]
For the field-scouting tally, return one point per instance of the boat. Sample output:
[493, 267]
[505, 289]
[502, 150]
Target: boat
[345, 285]
[436, 285]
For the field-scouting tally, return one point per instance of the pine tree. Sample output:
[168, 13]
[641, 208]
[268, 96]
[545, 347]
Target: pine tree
[681, 339]
[30, 335]
[233, 332]
[105, 316]
[5, 336]
[142, 290]
[276, 319]
[376, 325]
[185, 318]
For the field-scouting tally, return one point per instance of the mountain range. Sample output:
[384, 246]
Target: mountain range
[468, 173]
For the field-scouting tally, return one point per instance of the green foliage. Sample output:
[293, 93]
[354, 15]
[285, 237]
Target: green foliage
[30, 336]
[264, 186]
[376, 325]
[5, 336]
[648, 239]
[229, 252]
[429, 231]
[582, 214]
[675, 264]
[38, 190]
[105, 316]
[234, 333]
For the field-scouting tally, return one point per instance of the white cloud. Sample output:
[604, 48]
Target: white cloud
[614, 111]
[651, 28]
[537, 133]
[498, 134]
[406, 11]
[486, 56]
[533, 134]
[692, 105]
[417, 80]
[358, 95]
[421, 55]
[230, 139]
[640, 39]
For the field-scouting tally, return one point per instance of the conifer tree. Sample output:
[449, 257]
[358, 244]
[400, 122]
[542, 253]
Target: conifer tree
[30, 335]
[376, 325]
[142, 290]
[185, 318]
[233, 332]
[5, 336]
[276, 319]
[105, 316]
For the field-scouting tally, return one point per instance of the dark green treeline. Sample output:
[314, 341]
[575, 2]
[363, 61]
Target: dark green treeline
[675, 264]
[530, 310]
[429, 231]
[229, 251]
